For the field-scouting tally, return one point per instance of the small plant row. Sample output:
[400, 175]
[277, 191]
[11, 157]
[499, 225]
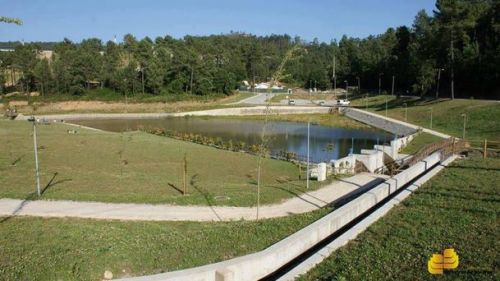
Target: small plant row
[217, 142]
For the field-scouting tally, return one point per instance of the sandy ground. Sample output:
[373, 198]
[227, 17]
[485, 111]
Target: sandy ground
[144, 212]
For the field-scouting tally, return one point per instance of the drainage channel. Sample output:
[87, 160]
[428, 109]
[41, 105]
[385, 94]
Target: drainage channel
[313, 250]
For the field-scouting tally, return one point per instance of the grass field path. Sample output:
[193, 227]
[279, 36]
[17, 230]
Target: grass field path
[301, 203]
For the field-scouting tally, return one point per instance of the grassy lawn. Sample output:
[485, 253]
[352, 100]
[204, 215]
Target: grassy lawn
[458, 208]
[482, 116]
[135, 167]
[421, 140]
[78, 249]
[331, 120]
[302, 95]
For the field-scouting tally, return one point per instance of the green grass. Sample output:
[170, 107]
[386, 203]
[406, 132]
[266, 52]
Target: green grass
[78, 249]
[458, 208]
[419, 142]
[482, 116]
[331, 120]
[135, 167]
[314, 96]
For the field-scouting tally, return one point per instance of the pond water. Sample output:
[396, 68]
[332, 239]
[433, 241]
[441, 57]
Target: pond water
[326, 143]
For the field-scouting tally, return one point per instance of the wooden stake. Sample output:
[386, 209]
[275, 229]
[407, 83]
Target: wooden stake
[485, 147]
[184, 176]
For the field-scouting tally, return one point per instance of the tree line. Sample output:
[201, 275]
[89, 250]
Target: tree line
[455, 52]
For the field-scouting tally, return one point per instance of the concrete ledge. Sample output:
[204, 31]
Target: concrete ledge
[361, 226]
[258, 265]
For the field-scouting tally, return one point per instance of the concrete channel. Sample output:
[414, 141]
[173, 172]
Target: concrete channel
[289, 254]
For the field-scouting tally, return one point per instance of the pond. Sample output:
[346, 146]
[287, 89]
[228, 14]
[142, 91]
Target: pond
[326, 143]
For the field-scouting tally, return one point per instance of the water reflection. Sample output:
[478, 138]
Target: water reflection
[326, 143]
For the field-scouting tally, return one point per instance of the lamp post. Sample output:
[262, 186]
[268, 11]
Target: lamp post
[380, 83]
[392, 89]
[346, 88]
[465, 123]
[438, 79]
[406, 111]
[142, 78]
[431, 118]
[359, 84]
[386, 106]
[308, 136]
[37, 171]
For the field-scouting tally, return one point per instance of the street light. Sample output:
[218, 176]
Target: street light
[438, 79]
[308, 142]
[346, 88]
[465, 122]
[406, 111]
[386, 106]
[431, 118]
[393, 80]
[359, 84]
[37, 171]
[380, 83]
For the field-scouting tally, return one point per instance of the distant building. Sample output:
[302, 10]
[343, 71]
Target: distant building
[263, 87]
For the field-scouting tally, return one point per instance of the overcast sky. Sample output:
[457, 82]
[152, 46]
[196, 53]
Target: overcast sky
[52, 20]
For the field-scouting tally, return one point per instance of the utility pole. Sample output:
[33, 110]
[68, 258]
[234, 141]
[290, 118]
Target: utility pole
[392, 90]
[308, 136]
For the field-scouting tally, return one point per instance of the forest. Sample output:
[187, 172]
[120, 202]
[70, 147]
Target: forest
[456, 48]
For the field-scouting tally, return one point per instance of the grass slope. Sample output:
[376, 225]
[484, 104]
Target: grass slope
[331, 120]
[458, 208]
[77, 249]
[482, 116]
[421, 140]
[135, 167]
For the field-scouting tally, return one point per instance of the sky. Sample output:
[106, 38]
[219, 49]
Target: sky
[54, 20]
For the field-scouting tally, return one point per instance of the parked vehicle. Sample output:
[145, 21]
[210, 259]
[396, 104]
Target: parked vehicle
[321, 103]
[291, 102]
[343, 102]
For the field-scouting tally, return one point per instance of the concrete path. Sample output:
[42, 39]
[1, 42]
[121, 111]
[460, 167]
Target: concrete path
[306, 202]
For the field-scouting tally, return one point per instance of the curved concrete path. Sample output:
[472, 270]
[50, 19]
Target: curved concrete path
[306, 202]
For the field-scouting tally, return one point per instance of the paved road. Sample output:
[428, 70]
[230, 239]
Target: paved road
[144, 212]
[259, 99]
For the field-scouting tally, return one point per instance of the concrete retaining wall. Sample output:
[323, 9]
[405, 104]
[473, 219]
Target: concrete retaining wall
[260, 264]
[396, 128]
[344, 165]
